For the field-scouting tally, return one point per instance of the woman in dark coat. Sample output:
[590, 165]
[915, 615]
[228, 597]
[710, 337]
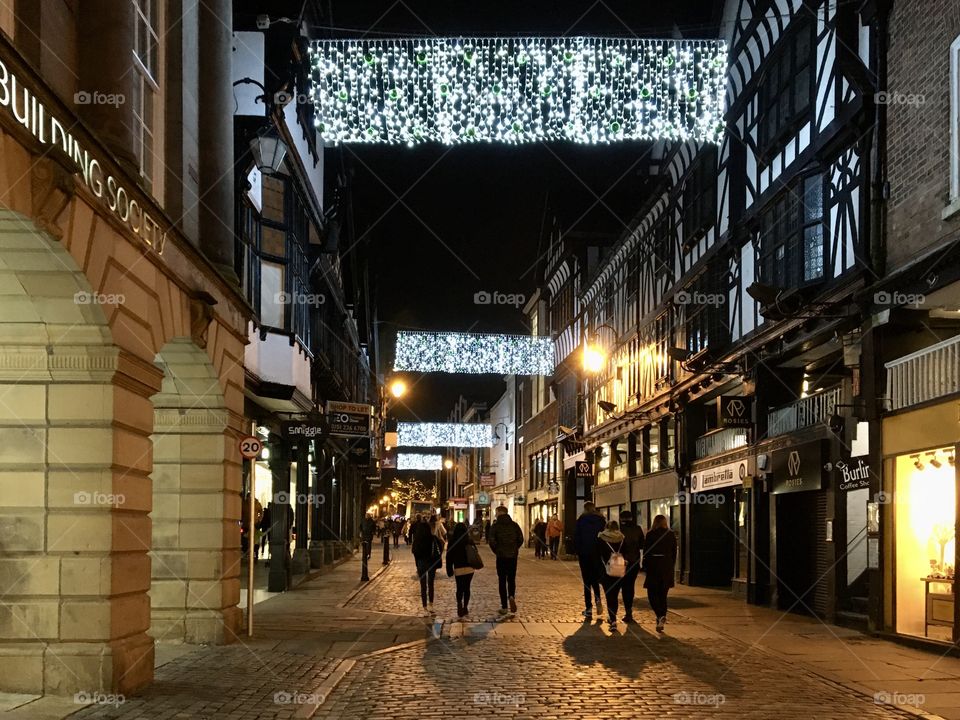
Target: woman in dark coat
[659, 559]
[458, 566]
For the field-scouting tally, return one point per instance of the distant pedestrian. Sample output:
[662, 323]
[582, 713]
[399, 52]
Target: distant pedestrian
[486, 529]
[461, 550]
[505, 539]
[406, 531]
[385, 531]
[265, 523]
[589, 525]
[540, 538]
[659, 560]
[427, 553]
[397, 529]
[554, 533]
[368, 528]
[632, 552]
[609, 552]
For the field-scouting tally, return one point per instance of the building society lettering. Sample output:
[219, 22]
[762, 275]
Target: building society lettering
[32, 114]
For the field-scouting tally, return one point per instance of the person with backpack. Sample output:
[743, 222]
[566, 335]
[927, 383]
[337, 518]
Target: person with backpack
[427, 552]
[632, 551]
[463, 560]
[505, 539]
[659, 559]
[588, 527]
[609, 555]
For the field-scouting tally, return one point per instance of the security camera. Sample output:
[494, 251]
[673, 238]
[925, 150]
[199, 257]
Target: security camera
[828, 467]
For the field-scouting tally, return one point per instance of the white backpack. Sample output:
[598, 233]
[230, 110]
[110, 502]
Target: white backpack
[616, 565]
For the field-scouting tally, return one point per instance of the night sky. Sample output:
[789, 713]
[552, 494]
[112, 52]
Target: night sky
[471, 218]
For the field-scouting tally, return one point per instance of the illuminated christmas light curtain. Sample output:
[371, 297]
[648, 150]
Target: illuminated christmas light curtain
[473, 353]
[518, 90]
[444, 435]
[417, 461]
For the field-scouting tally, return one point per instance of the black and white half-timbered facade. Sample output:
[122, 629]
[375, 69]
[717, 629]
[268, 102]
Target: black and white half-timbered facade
[728, 314]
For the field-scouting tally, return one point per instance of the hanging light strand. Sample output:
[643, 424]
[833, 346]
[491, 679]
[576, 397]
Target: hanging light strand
[475, 353]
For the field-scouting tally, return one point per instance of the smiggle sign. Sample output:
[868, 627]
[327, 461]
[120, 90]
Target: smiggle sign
[30, 112]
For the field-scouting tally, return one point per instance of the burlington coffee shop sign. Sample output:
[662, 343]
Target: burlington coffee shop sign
[27, 110]
[852, 474]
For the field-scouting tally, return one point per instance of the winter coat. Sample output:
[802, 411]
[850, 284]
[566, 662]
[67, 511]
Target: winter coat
[589, 525]
[457, 554]
[608, 542]
[632, 543]
[540, 529]
[367, 528]
[424, 544]
[505, 537]
[554, 529]
[659, 558]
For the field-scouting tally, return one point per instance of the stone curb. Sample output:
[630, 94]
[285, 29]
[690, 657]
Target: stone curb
[365, 586]
[322, 691]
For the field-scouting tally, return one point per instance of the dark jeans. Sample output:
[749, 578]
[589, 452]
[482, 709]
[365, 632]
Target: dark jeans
[554, 547]
[463, 589]
[590, 573]
[658, 600]
[540, 545]
[507, 579]
[628, 584]
[427, 571]
[611, 588]
[396, 541]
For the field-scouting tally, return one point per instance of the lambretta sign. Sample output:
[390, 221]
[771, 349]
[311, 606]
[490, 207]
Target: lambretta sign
[28, 111]
[728, 475]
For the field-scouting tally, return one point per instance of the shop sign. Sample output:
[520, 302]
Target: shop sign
[27, 110]
[553, 487]
[483, 498]
[295, 429]
[359, 452]
[799, 468]
[721, 476]
[735, 411]
[519, 499]
[389, 461]
[584, 469]
[853, 474]
[349, 419]
[458, 503]
[488, 480]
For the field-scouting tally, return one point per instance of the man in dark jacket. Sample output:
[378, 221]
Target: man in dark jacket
[505, 539]
[367, 530]
[589, 525]
[632, 552]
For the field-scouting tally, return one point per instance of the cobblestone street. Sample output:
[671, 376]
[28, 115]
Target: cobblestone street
[337, 649]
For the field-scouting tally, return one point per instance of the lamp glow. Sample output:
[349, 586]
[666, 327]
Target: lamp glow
[398, 388]
[593, 359]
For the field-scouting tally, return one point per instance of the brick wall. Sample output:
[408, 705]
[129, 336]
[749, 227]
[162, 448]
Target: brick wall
[921, 32]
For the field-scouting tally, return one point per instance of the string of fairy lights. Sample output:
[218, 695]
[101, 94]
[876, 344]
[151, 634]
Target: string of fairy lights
[419, 461]
[474, 353]
[518, 90]
[428, 434]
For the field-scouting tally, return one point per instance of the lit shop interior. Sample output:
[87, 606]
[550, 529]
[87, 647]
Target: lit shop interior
[925, 506]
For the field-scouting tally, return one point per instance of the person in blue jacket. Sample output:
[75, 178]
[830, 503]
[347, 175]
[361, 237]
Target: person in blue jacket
[589, 525]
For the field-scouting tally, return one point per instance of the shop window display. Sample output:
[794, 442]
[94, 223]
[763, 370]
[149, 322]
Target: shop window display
[925, 521]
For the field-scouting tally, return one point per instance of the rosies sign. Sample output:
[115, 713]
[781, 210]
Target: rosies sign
[798, 468]
[27, 110]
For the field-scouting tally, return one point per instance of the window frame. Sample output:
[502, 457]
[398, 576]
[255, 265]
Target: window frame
[148, 131]
[699, 197]
[793, 261]
[786, 125]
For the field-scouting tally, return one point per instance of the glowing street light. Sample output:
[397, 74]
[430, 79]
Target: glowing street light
[398, 388]
[593, 359]
[448, 463]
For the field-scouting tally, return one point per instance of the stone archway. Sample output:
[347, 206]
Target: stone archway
[192, 540]
[73, 498]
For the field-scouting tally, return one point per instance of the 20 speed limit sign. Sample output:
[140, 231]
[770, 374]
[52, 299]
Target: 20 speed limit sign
[250, 447]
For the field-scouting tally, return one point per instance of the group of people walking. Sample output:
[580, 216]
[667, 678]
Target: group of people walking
[610, 554]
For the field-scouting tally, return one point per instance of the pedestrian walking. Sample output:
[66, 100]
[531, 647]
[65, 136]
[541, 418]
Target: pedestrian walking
[385, 531]
[406, 531]
[427, 553]
[540, 538]
[632, 551]
[486, 529]
[368, 527]
[505, 539]
[554, 533]
[609, 553]
[463, 560]
[589, 525]
[659, 560]
[397, 529]
[264, 532]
